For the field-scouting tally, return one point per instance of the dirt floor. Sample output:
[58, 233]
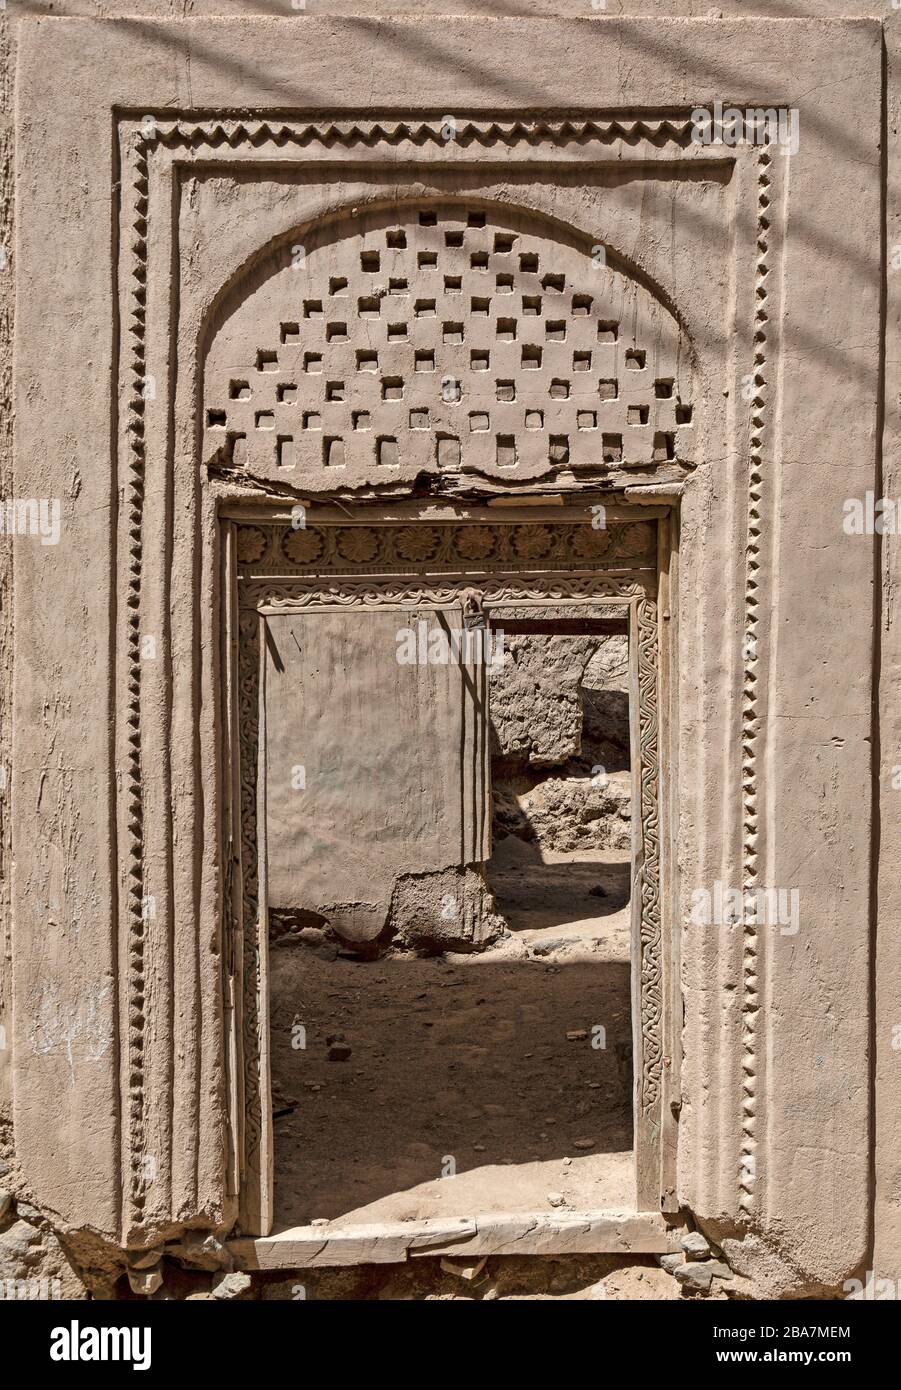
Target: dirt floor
[462, 1083]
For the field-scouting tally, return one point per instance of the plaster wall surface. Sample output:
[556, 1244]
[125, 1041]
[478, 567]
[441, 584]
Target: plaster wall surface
[842, 326]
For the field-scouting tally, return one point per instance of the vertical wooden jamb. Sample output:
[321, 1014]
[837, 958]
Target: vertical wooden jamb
[670, 940]
[264, 1157]
[233, 935]
[476, 780]
[648, 972]
[638, 1126]
[255, 1147]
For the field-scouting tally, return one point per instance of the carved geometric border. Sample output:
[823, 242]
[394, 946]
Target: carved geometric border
[234, 134]
[135, 221]
[161, 131]
[750, 698]
[307, 592]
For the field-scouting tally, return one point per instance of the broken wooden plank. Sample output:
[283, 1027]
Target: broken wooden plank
[495, 1233]
[563, 1233]
[308, 1247]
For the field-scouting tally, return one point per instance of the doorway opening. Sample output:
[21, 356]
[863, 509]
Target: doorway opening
[449, 849]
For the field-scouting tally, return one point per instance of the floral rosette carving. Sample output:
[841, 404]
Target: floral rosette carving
[417, 543]
[358, 544]
[476, 542]
[303, 546]
[589, 542]
[251, 545]
[532, 542]
[636, 539]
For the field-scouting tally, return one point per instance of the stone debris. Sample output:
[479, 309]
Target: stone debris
[569, 813]
[696, 1246]
[695, 1275]
[202, 1250]
[231, 1285]
[146, 1281]
[144, 1259]
[30, 1213]
[698, 1275]
[463, 1269]
[338, 1049]
[34, 1255]
[15, 1243]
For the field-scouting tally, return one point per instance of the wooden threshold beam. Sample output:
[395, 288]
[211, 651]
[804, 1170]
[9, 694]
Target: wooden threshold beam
[495, 1233]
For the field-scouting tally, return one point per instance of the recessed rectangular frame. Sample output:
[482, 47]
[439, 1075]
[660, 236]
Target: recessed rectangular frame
[183, 148]
[251, 595]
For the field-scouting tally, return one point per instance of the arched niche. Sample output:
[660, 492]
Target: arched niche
[443, 338]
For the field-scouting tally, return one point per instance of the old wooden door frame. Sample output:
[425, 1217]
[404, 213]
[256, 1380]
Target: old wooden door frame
[256, 586]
